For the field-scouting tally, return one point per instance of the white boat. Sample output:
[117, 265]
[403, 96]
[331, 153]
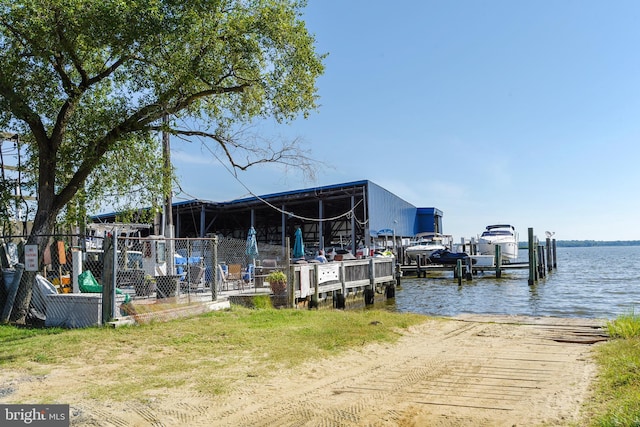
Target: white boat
[504, 235]
[424, 244]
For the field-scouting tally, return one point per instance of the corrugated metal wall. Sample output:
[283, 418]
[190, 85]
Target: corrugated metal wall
[389, 212]
[428, 220]
[384, 211]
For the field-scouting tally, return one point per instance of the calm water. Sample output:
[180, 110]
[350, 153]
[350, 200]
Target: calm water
[598, 282]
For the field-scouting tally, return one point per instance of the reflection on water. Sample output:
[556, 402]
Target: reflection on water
[598, 282]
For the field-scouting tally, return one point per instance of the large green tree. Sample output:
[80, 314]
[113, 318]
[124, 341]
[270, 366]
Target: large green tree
[86, 84]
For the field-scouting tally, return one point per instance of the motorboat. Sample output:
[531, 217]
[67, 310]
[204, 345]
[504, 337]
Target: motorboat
[338, 254]
[504, 235]
[424, 244]
[446, 257]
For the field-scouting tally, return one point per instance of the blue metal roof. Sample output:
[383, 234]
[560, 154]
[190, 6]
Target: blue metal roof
[386, 211]
[305, 190]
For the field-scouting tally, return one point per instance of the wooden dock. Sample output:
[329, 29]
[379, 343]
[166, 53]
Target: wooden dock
[414, 270]
[542, 260]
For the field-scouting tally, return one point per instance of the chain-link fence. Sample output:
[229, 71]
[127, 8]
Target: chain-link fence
[150, 277]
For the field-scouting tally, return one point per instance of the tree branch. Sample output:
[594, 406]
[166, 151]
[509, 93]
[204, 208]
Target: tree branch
[106, 72]
[203, 94]
[288, 154]
[71, 89]
[22, 111]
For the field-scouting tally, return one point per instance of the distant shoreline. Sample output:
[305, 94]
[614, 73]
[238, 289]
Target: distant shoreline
[587, 243]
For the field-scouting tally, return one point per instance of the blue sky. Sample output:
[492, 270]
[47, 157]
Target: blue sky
[524, 112]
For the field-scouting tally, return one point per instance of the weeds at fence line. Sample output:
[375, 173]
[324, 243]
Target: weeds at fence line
[262, 302]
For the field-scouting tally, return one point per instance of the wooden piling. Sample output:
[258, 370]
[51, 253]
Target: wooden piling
[339, 300]
[541, 262]
[555, 264]
[467, 274]
[390, 291]
[535, 261]
[458, 271]
[532, 258]
[498, 261]
[369, 296]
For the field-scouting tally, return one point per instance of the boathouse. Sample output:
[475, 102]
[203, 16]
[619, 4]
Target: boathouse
[332, 215]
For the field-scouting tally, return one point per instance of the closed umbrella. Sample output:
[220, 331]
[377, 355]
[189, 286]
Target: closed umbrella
[298, 245]
[252, 249]
[252, 244]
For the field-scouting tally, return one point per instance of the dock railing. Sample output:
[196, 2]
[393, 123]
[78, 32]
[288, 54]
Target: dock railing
[346, 277]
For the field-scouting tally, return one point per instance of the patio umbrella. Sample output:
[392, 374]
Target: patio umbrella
[252, 249]
[252, 244]
[298, 244]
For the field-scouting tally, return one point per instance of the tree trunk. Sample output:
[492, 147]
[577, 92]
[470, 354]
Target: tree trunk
[43, 227]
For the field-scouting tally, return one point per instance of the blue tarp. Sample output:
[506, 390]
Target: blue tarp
[191, 260]
[181, 262]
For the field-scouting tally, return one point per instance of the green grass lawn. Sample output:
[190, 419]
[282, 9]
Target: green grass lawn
[616, 399]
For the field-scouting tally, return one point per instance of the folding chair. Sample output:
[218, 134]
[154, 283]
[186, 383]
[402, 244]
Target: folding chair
[235, 275]
[222, 277]
[249, 275]
[193, 278]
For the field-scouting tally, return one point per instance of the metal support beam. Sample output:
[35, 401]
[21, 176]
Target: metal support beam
[321, 225]
[203, 216]
[354, 249]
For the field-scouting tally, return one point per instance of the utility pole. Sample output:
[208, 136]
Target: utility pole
[166, 155]
[168, 213]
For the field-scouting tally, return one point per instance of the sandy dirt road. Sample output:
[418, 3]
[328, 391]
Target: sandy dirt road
[466, 371]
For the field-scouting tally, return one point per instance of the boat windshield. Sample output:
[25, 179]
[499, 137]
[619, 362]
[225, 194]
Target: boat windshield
[497, 233]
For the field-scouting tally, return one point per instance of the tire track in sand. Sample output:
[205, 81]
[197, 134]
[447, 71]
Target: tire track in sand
[473, 370]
